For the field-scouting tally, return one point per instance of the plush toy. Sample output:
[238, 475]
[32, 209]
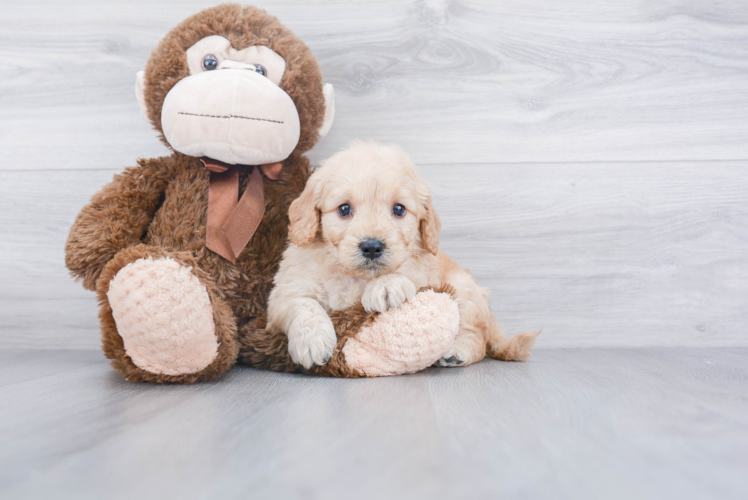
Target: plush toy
[182, 249]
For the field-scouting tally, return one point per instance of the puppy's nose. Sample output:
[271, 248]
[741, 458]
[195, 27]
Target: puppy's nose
[372, 248]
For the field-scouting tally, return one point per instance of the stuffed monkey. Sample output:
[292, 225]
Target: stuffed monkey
[181, 250]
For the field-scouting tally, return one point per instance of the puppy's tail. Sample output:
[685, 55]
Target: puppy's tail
[516, 348]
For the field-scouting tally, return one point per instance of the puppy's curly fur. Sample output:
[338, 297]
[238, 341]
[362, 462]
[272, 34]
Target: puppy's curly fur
[373, 193]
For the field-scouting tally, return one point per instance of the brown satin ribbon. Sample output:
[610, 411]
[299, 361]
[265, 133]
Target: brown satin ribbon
[232, 220]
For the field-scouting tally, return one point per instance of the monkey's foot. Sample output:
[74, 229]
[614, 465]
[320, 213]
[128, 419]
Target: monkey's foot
[164, 316]
[406, 339]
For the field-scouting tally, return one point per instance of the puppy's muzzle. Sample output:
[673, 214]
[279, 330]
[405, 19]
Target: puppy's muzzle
[371, 248]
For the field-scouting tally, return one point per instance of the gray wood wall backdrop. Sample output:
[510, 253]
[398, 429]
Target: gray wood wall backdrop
[589, 158]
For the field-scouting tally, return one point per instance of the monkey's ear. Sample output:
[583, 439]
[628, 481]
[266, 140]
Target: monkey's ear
[329, 94]
[140, 92]
[304, 215]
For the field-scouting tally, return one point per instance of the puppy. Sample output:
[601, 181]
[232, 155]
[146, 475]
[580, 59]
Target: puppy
[364, 230]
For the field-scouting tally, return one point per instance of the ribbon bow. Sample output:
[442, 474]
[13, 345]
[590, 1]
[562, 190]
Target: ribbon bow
[232, 223]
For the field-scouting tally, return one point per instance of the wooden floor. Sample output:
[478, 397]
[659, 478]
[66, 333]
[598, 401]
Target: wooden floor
[652, 423]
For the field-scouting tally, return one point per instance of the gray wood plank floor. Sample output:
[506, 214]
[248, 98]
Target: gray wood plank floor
[570, 423]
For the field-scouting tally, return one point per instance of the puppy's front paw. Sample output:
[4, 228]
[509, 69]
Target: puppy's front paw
[311, 340]
[387, 291]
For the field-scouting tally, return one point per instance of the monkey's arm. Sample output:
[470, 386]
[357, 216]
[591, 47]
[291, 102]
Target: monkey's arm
[403, 339]
[115, 219]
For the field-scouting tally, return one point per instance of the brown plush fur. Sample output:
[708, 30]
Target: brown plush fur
[159, 208]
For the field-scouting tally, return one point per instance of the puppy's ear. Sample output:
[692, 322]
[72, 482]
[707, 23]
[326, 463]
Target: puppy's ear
[304, 215]
[430, 225]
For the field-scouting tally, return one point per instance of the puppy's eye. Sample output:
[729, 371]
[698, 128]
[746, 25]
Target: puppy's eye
[344, 210]
[210, 62]
[398, 210]
[259, 68]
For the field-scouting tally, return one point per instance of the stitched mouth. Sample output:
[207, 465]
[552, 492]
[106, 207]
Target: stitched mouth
[230, 116]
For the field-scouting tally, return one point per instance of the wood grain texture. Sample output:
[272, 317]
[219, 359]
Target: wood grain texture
[616, 254]
[454, 81]
[567, 424]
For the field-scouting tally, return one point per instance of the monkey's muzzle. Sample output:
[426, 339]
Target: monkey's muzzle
[234, 115]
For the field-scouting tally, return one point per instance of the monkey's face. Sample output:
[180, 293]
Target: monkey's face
[249, 105]
[231, 108]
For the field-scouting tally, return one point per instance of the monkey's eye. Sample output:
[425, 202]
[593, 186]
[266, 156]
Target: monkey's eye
[259, 68]
[210, 62]
[344, 210]
[398, 210]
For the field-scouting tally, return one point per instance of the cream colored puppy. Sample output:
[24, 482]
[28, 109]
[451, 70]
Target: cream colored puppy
[364, 230]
